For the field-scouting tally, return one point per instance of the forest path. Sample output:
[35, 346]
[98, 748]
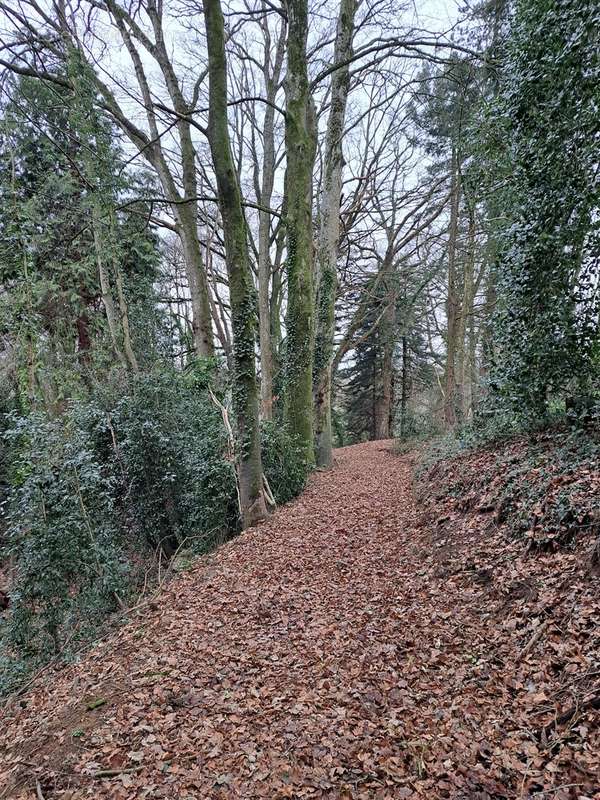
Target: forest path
[301, 659]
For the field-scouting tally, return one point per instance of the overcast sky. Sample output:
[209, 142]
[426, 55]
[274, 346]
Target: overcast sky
[436, 15]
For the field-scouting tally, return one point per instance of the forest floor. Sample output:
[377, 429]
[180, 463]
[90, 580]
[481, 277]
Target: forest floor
[360, 644]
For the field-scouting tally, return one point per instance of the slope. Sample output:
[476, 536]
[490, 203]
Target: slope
[349, 648]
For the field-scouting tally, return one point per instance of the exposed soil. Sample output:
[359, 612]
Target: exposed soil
[361, 644]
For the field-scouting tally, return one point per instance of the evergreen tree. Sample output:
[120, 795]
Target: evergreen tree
[49, 252]
[364, 379]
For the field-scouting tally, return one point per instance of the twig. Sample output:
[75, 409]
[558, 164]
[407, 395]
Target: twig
[558, 788]
[533, 641]
[111, 773]
[592, 702]
[38, 790]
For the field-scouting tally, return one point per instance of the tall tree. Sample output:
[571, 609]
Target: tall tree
[329, 233]
[241, 287]
[454, 309]
[300, 145]
[271, 77]
[184, 203]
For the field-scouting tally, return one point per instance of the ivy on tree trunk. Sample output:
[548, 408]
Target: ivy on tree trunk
[300, 145]
[241, 287]
[329, 235]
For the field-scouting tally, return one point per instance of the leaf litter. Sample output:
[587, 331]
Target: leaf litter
[360, 644]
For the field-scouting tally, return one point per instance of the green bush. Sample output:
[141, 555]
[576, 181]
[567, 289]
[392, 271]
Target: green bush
[62, 535]
[283, 463]
[93, 493]
[169, 445]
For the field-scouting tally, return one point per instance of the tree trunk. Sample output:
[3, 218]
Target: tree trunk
[405, 381]
[466, 316]
[276, 299]
[241, 288]
[329, 234]
[384, 403]
[453, 304]
[186, 215]
[300, 143]
[123, 311]
[385, 400]
[84, 342]
[32, 381]
[127, 343]
[264, 228]
[107, 297]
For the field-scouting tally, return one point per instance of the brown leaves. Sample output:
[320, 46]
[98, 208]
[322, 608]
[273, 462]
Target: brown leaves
[335, 652]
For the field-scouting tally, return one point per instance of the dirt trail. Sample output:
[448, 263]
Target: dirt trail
[315, 656]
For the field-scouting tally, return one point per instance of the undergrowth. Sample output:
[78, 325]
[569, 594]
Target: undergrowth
[542, 486]
[96, 497]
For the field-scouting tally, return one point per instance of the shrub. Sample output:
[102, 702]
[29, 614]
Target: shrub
[61, 535]
[169, 443]
[283, 463]
[91, 494]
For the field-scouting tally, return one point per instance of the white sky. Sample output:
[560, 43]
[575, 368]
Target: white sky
[436, 15]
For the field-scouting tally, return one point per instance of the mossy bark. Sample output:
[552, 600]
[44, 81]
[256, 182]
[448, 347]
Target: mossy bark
[272, 79]
[329, 234]
[300, 146]
[241, 287]
[322, 372]
[453, 305]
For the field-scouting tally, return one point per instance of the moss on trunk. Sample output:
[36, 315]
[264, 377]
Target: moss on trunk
[241, 287]
[300, 144]
[329, 234]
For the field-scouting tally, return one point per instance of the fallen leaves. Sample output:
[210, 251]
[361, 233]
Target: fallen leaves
[343, 650]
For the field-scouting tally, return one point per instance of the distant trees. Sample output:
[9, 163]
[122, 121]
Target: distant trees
[369, 380]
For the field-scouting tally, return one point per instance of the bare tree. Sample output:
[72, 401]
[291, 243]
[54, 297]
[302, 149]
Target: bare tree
[300, 144]
[329, 234]
[241, 289]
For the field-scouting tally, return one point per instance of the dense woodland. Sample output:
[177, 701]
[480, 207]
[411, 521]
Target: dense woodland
[234, 236]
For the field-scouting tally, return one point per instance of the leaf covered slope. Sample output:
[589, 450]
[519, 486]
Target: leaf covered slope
[357, 645]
